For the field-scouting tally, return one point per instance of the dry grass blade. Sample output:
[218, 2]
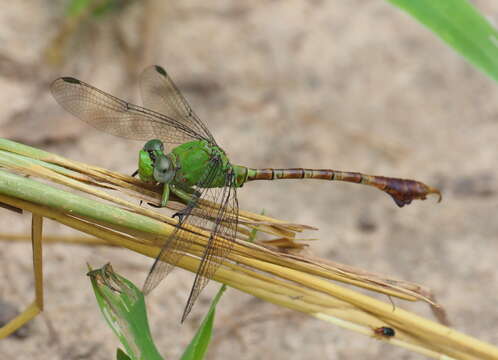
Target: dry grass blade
[284, 278]
[37, 305]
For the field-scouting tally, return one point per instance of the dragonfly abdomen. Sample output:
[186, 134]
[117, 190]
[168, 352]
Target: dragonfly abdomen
[403, 191]
[301, 173]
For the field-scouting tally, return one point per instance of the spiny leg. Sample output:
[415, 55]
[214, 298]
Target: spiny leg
[186, 194]
[164, 197]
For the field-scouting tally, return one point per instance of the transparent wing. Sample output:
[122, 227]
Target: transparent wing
[117, 117]
[177, 244]
[224, 230]
[221, 220]
[159, 93]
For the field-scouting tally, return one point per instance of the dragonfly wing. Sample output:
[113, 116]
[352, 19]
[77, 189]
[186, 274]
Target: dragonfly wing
[180, 241]
[172, 251]
[159, 93]
[177, 244]
[117, 117]
[220, 220]
[222, 237]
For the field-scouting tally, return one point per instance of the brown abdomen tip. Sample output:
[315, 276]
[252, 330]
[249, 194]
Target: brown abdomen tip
[404, 191]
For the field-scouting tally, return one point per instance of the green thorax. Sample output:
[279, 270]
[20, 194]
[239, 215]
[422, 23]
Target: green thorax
[194, 159]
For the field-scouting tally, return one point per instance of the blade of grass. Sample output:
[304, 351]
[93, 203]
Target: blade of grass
[123, 307]
[199, 344]
[37, 305]
[460, 25]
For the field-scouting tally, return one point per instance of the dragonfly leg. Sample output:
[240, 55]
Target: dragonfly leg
[154, 205]
[181, 214]
[165, 197]
[187, 195]
[185, 211]
[134, 173]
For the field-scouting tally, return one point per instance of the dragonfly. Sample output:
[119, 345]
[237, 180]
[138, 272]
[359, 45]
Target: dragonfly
[195, 169]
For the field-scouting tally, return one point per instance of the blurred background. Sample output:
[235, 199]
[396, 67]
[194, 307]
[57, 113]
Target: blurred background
[351, 85]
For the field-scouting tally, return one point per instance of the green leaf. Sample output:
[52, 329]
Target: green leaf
[460, 25]
[123, 307]
[199, 344]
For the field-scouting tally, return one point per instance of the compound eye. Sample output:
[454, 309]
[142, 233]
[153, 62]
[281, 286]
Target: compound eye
[154, 145]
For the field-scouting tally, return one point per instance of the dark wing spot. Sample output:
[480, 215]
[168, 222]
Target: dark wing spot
[71, 80]
[160, 70]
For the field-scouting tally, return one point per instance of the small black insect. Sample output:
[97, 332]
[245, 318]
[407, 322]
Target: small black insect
[385, 331]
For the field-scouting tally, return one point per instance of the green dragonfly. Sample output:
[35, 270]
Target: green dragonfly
[195, 169]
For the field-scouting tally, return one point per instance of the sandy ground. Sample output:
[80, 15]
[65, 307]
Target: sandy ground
[352, 85]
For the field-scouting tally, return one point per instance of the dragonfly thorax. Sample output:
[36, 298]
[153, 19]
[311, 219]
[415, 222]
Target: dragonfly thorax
[200, 163]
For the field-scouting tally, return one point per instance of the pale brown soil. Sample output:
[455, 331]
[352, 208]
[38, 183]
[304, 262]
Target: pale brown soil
[352, 85]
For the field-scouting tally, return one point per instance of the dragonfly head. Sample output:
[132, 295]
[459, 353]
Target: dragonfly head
[153, 164]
